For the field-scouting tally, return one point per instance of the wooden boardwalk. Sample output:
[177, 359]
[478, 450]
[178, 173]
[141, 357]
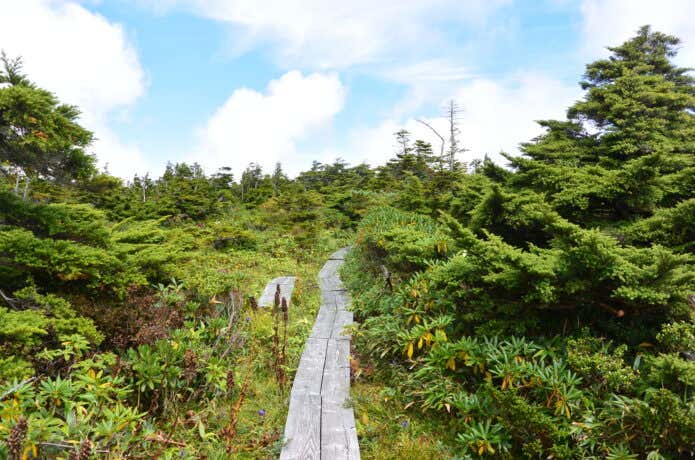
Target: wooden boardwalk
[319, 425]
[286, 284]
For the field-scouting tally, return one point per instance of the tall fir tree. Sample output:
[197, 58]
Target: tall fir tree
[627, 148]
[39, 136]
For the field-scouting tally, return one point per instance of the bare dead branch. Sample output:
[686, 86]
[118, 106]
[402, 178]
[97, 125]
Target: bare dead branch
[162, 439]
[441, 151]
[16, 387]
[70, 447]
[10, 301]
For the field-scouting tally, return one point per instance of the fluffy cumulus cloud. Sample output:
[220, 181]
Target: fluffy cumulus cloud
[265, 127]
[501, 113]
[88, 61]
[610, 22]
[339, 34]
[85, 60]
[497, 116]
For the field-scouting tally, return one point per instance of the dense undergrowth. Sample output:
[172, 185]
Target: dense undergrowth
[146, 371]
[128, 325]
[547, 311]
[579, 391]
[540, 311]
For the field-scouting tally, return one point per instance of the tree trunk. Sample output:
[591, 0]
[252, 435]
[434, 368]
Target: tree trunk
[26, 187]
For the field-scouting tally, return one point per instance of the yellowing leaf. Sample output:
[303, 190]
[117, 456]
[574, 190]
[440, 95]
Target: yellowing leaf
[410, 350]
[30, 448]
[441, 335]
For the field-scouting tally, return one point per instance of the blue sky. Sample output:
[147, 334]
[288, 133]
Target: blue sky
[227, 82]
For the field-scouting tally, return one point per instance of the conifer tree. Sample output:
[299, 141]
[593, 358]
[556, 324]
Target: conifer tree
[628, 147]
[39, 136]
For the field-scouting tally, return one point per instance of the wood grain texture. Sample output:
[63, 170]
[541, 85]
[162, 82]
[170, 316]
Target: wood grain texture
[335, 386]
[286, 287]
[329, 279]
[303, 429]
[338, 433]
[342, 318]
[310, 371]
[337, 354]
[328, 298]
[325, 322]
[321, 387]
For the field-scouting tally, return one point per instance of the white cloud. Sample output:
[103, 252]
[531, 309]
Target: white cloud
[86, 61]
[265, 127]
[121, 159]
[402, 41]
[339, 34]
[611, 22]
[428, 71]
[426, 81]
[497, 116]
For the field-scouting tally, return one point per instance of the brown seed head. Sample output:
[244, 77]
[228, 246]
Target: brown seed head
[15, 441]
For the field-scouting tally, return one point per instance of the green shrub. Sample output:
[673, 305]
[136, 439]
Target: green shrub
[599, 365]
[452, 320]
[77, 222]
[678, 336]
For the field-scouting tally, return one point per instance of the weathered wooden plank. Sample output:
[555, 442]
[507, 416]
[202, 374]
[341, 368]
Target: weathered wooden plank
[328, 298]
[339, 299]
[342, 300]
[286, 286]
[338, 433]
[342, 318]
[329, 280]
[331, 284]
[337, 354]
[303, 429]
[323, 327]
[330, 269]
[324, 373]
[339, 254]
[310, 370]
[335, 386]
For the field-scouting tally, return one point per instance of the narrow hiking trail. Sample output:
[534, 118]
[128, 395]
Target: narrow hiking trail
[319, 425]
[285, 285]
